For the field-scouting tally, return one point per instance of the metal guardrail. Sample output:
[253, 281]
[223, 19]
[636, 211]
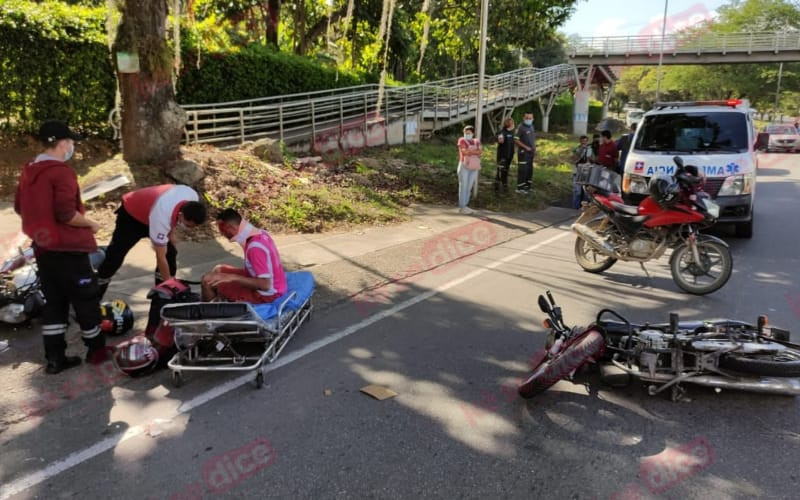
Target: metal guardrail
[306, 117]
[686, 43]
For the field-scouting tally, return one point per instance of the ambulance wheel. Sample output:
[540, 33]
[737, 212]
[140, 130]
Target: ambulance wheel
[744, 229]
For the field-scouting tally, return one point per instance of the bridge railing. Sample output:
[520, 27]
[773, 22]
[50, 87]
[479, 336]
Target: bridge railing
[686, 42]
[305, 117]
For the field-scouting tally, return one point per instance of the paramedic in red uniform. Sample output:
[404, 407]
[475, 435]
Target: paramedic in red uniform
[262, 279]
[155, 212]
[49, 201]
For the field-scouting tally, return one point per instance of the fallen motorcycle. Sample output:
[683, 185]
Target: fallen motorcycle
[21, 297]
[719, 353]
[608, 230]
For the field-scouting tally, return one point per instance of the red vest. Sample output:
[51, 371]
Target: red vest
[139, 203]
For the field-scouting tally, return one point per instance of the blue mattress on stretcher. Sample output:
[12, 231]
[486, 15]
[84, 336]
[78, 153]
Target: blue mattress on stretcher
[301, 282]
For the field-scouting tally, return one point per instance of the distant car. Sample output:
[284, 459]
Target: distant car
[782, 138]
[634, 116]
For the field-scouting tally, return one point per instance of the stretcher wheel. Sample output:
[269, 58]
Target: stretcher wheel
[177, 379]
[259, 379]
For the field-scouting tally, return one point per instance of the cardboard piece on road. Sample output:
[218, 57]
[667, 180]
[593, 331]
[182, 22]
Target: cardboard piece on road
[327, 392]
[378, 392]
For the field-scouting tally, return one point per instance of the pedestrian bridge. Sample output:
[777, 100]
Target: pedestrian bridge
[686, 48]
[367, 115]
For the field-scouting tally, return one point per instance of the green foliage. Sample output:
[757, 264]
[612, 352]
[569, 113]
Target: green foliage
[54, 64]
[256, 71]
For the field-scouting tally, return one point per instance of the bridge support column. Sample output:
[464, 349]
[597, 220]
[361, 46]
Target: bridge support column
[606, 93]
[580, 112]
[546, 109]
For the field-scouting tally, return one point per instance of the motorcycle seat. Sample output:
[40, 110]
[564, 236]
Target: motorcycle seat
[625, 209]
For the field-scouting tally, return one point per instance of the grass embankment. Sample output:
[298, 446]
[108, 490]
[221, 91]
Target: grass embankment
[377, 186]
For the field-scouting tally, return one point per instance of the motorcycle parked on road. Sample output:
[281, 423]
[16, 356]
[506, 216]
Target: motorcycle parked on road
[718, 353]
[609, 230]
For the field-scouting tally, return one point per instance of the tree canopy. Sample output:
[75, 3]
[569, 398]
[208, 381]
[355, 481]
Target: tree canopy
[428, 39]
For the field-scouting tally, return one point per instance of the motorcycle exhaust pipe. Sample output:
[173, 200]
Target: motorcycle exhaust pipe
[786, 386]
[594, 239]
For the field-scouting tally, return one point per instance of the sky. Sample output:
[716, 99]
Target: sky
[636, 17]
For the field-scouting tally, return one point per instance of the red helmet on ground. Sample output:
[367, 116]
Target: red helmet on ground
[135, 357]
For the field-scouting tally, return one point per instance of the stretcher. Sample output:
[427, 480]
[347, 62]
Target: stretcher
[237, 336]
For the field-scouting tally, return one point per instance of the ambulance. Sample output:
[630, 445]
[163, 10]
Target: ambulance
[719, 137]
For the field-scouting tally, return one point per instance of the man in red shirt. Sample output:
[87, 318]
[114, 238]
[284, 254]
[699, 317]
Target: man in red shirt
[49, 201]
[155, 212]
[608, 156]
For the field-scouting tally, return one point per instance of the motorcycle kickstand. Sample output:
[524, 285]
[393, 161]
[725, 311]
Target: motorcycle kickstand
[645, 271]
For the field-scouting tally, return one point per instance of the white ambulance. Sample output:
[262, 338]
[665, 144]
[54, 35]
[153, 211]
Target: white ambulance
[716, 136]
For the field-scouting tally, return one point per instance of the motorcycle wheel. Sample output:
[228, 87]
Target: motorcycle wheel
[587, 257]
[564, 363]
[782, 364]
[716, 266]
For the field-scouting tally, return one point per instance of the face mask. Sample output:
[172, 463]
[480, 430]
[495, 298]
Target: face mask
[69, 153]
[467, 136]
[245, 230]
[529, 122]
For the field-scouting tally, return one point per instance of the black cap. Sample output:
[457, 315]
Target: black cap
[52, 131]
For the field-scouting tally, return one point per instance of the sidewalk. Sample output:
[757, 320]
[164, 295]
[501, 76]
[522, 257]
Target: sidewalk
[347, 252]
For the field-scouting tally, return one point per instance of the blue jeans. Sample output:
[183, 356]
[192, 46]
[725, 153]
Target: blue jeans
[577, 194]
[466, 178]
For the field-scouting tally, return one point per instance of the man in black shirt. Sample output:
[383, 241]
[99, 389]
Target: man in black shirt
[505, 153]
[526, 141]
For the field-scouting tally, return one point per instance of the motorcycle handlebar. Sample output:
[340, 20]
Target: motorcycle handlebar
[599, 318]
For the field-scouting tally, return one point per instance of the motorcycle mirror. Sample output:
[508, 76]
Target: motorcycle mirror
[543, 305]
[678, 161]
[673, 323]
[551, 299]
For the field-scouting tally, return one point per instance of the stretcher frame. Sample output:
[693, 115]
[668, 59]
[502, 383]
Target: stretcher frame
[231, 335]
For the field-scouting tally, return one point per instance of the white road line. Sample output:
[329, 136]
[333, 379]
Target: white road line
[74, 459]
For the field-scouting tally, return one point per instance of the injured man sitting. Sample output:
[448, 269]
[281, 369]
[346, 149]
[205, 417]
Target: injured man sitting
[261, 280]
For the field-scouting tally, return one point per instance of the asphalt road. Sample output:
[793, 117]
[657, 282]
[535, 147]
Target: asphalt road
[451, 344]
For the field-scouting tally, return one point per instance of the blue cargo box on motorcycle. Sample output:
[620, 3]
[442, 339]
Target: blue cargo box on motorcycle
[598, 176]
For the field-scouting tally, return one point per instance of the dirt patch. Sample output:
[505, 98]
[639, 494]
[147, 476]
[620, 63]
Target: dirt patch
[302, 195]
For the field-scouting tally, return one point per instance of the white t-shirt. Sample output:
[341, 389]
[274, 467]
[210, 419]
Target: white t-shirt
[163, 210]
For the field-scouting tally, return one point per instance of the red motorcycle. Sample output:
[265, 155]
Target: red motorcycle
[718, 353]
[609, 230]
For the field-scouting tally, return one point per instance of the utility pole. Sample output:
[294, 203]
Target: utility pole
[778, 92]
[481, 68]
[661, 52]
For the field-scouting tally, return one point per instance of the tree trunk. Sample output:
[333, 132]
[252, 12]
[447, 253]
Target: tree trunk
[300, 28]
[273, 20]
[152, 121]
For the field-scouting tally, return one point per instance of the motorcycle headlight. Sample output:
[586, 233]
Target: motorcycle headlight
[712, 208]
[736, 185]
[636, 184]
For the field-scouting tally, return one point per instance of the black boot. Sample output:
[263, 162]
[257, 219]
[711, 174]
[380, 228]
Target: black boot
[98, 352]
[54, 351]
